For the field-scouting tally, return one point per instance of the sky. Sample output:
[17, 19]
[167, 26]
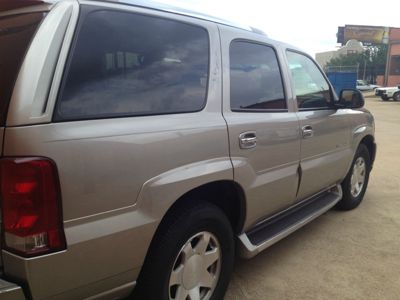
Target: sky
[308, 24]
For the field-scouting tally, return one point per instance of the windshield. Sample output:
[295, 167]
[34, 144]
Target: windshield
[16, 32]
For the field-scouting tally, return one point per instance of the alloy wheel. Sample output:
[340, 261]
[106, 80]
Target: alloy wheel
[358, 177]
[196, 270]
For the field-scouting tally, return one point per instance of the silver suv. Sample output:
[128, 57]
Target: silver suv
[143, 145]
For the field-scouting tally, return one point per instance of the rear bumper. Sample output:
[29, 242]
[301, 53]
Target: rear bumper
[10, 291]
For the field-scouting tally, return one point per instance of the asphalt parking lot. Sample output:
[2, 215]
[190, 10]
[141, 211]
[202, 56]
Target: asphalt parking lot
[341, 255]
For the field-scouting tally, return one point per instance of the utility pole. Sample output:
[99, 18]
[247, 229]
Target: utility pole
[365, 67]
[385, 82]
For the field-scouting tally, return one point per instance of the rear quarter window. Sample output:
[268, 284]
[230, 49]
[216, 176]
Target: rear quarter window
[127, 64]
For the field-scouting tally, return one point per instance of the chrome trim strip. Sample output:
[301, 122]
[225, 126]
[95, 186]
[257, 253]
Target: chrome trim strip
[9, 290]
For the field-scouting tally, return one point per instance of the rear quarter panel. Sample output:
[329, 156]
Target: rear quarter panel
[118, 178]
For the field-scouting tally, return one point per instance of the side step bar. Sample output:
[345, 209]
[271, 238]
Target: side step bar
[276, 228]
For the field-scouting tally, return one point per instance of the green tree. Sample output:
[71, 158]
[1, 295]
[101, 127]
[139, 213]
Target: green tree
[348, 60]
[370, 63]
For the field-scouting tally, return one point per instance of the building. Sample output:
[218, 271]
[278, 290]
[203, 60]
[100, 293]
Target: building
[351, 47]
[375, 35]
[392, 74]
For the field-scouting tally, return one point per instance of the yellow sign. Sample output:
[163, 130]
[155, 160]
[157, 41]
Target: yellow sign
[366, 34]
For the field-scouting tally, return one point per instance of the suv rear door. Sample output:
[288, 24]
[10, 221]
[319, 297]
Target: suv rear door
[263, 132]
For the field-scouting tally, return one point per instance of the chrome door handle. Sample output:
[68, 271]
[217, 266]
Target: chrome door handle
[307, 131]
[248, 140]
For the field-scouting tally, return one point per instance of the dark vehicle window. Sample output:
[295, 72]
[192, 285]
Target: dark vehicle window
[126, 64]
[311, 88]
[16, 33]
[256, 81]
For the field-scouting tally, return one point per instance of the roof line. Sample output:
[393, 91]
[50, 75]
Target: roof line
[182, 11]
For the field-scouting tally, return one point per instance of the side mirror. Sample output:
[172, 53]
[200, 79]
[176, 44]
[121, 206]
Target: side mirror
[351, 99]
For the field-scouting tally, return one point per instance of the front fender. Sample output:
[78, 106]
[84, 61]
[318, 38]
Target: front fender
[362, 126]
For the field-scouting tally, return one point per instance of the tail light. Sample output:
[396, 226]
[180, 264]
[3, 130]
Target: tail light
[31, 206]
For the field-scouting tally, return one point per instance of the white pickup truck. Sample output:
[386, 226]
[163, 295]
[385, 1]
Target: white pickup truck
[362, 85]
[388, 92]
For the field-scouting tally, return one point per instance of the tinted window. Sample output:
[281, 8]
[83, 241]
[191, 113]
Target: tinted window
[311, 88]
[128, 64]
[256, 81]
[16, 33]
[395, 65]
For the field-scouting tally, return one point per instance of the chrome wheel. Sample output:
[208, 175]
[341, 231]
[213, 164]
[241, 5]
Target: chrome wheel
[358, 177]
[196, 269]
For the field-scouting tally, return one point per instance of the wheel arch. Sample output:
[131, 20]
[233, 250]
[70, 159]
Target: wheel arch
[369, 142]
[395, 95]
[227, 195]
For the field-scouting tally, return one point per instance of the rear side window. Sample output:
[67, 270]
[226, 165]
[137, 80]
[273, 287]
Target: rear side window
[255, 78]
[126, 64]
[16, 33]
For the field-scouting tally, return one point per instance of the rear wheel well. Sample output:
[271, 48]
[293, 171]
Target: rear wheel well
[226, 195]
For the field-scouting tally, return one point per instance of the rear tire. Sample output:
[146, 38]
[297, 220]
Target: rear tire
[396, 96]
[181, 262]
[356, 181]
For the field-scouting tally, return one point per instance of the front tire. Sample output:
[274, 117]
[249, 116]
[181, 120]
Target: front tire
[191, 258]
[396, 96]
[356, 181]
[384, 98]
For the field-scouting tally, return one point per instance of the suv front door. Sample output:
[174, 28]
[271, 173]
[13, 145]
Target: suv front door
[325, 144]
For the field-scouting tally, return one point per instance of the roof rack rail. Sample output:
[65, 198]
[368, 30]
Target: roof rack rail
[256, 30]
[183, 11]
